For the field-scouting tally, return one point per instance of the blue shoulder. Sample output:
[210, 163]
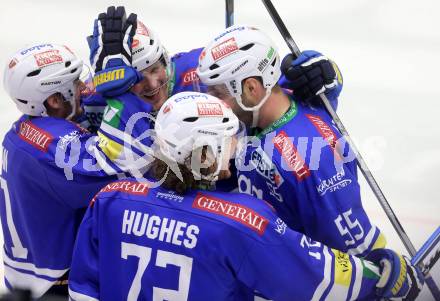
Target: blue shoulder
[190, 56]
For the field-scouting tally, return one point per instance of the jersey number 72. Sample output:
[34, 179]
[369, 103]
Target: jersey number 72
[163, 258]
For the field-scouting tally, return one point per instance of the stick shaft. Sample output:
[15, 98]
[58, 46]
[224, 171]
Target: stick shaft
[229, 13]
[431, 244]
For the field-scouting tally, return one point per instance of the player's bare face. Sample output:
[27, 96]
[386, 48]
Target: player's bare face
[154, 87]
[222, 92]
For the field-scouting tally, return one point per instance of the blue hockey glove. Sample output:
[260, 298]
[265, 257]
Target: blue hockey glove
[398, 277]
[309, 75]
[111, 52]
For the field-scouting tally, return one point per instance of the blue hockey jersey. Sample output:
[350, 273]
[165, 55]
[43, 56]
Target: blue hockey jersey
[140, 243]
[48, 174]
[126, 135]
[93, 107]
[185, 75]
[302, 167]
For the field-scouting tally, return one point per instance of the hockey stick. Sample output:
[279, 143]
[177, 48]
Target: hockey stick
[360, 161]
[229, 12]
[419, 258]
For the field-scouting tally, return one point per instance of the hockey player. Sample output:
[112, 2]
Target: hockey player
[158, 79]
[183, 242]
[297, 160]
[128, 118]
[48, 173]
[162, 77]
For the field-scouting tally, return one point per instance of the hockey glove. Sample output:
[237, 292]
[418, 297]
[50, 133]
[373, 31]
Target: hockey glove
[309, 75]
[398, 277]
[110, 52]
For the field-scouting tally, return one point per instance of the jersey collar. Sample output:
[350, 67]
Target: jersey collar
[289, 115]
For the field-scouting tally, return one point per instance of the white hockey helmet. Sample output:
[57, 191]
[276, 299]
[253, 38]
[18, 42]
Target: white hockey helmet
[147, 48]
[34, 73]
[189, 120]
[240, 52]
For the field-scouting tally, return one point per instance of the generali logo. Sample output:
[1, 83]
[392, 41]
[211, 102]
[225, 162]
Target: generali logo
[326, 132]
[48, 58]
[290, 154]
[209, 109]
[35, 136]
[224, 48]
[129, 187]
[237, 212]
[189, 77]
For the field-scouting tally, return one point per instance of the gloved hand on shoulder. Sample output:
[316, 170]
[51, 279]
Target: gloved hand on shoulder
[399, 279]
[309, 75]
[111, 52]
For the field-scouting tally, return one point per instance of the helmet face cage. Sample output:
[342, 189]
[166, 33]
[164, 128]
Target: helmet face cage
[238, 53]
[39, 71]
[190, 121]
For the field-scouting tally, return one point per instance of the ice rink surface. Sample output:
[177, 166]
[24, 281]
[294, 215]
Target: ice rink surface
[388, 52]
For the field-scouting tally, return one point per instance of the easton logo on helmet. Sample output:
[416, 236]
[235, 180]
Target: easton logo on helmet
[50, 83]
[239, 66]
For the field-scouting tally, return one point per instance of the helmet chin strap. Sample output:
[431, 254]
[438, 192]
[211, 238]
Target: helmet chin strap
[73, 104]
[255, 109]
[255, 118]
[72, 101]
[218, 158]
